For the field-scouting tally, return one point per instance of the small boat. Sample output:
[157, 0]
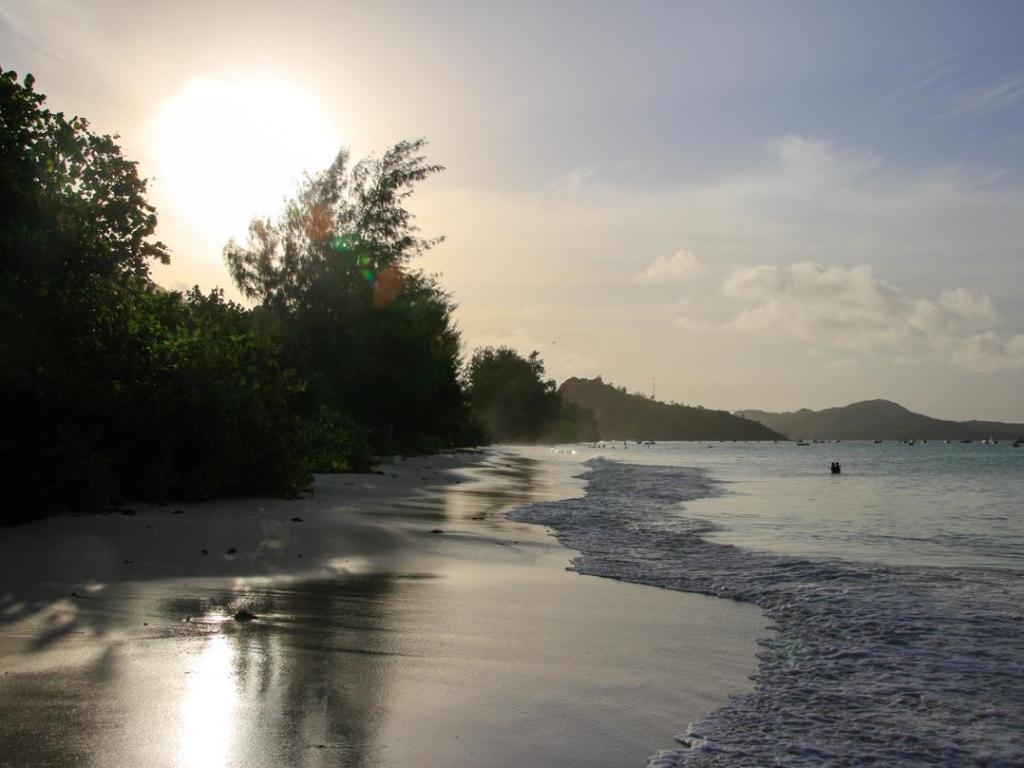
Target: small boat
[802, 443]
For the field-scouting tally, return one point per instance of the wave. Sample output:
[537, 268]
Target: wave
[871, 665]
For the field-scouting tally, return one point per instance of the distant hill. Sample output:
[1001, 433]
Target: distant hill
[622, 416]
[878, 420]
[998, 429]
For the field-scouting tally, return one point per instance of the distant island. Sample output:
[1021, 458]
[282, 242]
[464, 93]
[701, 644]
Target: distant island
[878, 420]
[620, 415]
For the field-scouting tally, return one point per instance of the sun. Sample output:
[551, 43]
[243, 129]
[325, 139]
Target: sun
[228, 150]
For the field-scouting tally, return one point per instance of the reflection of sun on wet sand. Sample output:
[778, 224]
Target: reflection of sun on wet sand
[368, 639]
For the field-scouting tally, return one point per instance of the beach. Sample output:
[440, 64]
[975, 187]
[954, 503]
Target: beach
[397, 618]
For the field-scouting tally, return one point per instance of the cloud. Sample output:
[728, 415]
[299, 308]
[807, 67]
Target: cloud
[816, 162]
[670, 269]
[990, 352]
[804, 197]
[850, 310]
[845, 308]
[805, 200]
[970, 307]
[989, 97]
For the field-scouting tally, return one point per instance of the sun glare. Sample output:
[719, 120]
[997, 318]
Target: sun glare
[227, 150]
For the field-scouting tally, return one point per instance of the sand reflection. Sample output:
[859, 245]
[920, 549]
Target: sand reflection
[434, 650]
[208, 707]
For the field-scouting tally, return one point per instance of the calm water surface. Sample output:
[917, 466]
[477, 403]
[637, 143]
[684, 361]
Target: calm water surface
[958, 505]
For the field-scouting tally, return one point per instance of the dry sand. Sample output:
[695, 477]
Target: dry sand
[377, 641]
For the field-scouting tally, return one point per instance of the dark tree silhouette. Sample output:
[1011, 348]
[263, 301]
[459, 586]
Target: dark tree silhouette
[515, 403]
[345, 225]
[108, 384]
[75, 246]
[374, 339]
[111, 386]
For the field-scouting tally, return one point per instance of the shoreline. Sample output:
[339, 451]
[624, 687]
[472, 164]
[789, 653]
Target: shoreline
[435, 647]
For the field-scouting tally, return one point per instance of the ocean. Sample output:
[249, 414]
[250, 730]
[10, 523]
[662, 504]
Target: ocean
[895, 589]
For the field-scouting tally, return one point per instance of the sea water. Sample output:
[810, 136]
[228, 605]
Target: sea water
[934, 503]
[896, 587]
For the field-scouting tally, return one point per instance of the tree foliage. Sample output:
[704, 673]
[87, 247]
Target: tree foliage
[343, 227]
[372, 337]
[108, 384]
[113, 387]
[516, 404]
[75, 246]
[212, 410]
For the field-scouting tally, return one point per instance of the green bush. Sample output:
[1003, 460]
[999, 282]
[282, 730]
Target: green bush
[212, 411]
[333, 443]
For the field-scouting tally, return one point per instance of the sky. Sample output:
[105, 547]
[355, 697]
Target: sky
[766, 205]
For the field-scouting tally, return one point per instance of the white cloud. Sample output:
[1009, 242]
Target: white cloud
[840, 307]
[814, 162]
[972, 308]
[990, 352]
[670, 269]
[849, 309]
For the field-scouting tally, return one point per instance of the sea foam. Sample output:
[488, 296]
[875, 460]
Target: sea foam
[871, 665]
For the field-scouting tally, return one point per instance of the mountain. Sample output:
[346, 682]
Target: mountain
[877, 420]
[622, 416]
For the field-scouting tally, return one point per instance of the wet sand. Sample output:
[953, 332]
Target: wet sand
[376, 641]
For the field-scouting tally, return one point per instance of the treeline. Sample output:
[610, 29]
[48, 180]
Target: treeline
[112, 387]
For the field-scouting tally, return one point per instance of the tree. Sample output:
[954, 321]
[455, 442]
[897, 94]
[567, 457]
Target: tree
[515, 403]
[110, 385]
[373, 338]
[76, 242]
[212, 409]
[345, 226]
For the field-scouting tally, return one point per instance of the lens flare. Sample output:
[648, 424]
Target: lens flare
[387, 287]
